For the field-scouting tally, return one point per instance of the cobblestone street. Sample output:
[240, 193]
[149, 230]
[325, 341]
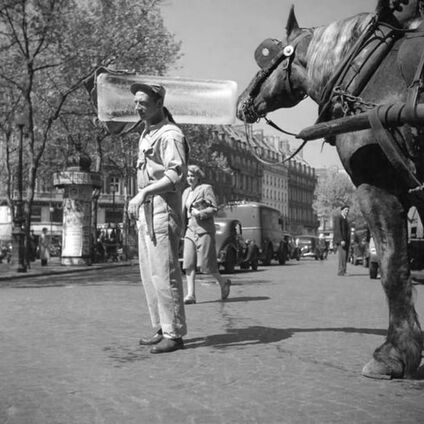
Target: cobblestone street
[288, 346]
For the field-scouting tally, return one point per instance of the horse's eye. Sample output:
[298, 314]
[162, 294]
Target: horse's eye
[288, 50]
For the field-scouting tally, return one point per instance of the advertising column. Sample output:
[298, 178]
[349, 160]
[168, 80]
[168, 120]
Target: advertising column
[76, 239]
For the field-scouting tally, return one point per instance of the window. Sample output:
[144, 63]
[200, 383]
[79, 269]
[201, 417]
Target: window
[115, 185]
[36, 213]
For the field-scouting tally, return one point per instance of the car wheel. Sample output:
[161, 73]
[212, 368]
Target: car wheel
[230, 261]
[282, 255]
[373, 270]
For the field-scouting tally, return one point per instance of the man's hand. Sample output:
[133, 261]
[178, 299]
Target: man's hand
[135, 203]
[343, 243]
[194, 212]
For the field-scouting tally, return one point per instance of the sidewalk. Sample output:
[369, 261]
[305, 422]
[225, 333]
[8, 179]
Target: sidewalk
[9, 271]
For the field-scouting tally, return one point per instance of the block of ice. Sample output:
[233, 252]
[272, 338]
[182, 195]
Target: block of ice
[190, 101]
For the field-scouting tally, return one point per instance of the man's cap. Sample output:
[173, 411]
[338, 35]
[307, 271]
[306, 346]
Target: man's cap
[344, 207]
[156, 89]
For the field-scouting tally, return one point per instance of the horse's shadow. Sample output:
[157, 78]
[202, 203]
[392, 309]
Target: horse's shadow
[262, 335]
[239, 337]
[236, 337]
[237, 299]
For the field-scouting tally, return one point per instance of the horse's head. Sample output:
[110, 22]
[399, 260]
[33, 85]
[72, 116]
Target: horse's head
[281, 82]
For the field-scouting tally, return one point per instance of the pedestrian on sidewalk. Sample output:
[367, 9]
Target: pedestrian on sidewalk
[44, 246]
[32, 246]
[341, 238]
[161, 169]
[199, 208]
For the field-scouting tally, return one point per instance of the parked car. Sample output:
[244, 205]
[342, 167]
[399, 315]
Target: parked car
[416, 253]
[359, 247]
[261, 224]
[373, 259]
[231, 248]
[311, 246]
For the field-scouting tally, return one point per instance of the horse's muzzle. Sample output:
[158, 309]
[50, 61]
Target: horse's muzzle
[246, 110]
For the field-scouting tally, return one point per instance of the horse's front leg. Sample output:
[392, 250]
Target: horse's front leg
[400, 355]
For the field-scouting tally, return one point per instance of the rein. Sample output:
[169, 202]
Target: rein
[253, 148]
[342, 70]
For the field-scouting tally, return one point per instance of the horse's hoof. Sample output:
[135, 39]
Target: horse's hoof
[380, 371]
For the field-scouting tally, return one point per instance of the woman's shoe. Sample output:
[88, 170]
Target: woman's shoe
[189, 300]
[225, 289]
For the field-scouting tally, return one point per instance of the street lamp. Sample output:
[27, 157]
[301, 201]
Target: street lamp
[113, 189]
[19, 220]
[51, 210]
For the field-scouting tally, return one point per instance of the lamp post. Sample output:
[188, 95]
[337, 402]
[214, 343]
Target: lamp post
[113, 190]
[19, 213]
[51, 210]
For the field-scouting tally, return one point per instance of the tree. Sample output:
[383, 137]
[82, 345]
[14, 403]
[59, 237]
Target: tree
[49, 47]
[202, 147]
[334, 190]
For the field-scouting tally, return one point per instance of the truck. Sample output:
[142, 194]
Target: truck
[262, 225]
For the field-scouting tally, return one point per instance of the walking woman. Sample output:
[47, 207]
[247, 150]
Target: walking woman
[44, 244]
[199, 207]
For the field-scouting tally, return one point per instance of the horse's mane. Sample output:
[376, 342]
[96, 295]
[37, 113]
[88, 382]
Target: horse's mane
[329, 45]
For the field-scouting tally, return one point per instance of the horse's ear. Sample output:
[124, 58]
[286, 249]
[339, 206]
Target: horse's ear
[292, 24]
[383, 6]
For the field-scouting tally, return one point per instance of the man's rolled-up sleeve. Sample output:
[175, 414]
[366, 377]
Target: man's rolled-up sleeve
[174, 157]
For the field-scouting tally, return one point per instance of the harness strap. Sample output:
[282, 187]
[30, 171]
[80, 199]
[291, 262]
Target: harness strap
[341, 68]
[414, 89]
[390, 148]
[354, 72]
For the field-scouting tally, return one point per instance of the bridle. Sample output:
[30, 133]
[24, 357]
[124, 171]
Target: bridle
[283, 54]
[269, 55]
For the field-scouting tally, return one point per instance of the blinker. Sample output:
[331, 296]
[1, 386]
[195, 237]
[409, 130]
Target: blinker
[267, 51]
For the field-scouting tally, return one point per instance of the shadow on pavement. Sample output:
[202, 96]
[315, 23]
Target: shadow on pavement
[236, 299]
[261, 335]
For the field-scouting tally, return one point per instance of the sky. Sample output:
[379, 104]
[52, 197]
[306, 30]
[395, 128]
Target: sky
[219, 38]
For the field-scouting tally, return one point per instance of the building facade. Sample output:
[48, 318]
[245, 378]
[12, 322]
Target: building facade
[288, 187]
[302, 183]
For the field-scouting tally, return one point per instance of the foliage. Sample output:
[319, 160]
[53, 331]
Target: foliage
[202, 148]
[48, 48]
[334, 190]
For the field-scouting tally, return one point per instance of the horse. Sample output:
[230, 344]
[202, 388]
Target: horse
[304, 64]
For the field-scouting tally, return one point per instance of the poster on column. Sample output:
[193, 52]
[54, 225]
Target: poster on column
[76, 222]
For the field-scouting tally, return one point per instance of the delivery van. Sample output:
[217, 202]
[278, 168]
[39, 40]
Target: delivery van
[262, 224]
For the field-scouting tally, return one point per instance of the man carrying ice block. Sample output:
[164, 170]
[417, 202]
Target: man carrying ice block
[161, 169]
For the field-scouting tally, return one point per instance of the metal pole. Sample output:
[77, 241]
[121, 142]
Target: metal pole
[113, 205]
[19, 219]
[51, 209]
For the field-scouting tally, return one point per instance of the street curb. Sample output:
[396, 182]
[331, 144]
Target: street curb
[66, 270]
